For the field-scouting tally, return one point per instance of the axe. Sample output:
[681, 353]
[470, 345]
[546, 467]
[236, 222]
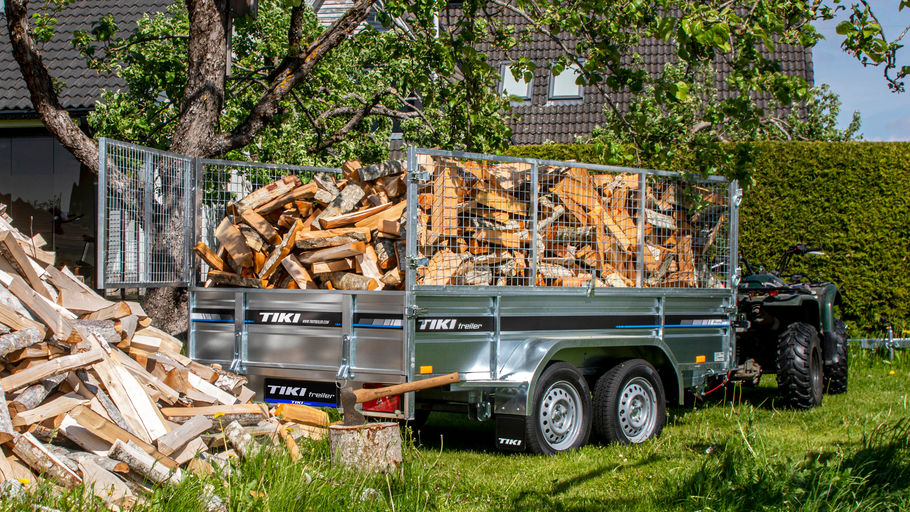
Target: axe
[350, 397]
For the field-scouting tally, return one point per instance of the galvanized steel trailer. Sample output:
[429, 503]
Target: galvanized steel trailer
[546, 362]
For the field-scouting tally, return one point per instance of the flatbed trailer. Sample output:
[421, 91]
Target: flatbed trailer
[545, 362]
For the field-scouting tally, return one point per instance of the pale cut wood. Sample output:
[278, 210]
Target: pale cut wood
[35, 252]
[19, 340]
[262, 226]
[116, 310]
[305, 191]
[114, 466]
[110, 432]
[52, 367]
[149, 343]
[6, 469]
[59, 324]
[353, 217]
[209, 389]
[50, 409]
[32, 396]
[374, 447]
[177, 438]
[289, 441]
[263, 195]
[281, 250]
[189, 451]
[143, 463]
[327, 267]
[41, 460]
[232, 241]
[143, 404]
[126, 326]
[83, 437]
[167, 393]
[10, 249]
[209, 256]
[80, 302]
[169, 345]
[11, 303]
[298, 273]
[245, 395]
[110, 411]
[120, 396]
[182, 414]
[391, 227]
[352, 281]
[105, 485]
[369, 265]
[6, 426]
[302, 414]
[332, 253]
[392, 212]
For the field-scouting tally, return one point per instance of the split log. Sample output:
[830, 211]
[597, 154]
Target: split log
[104, 462]
[10, 249]
[232, 241]
[332, 253]
[109, 432]
[253, 413]
[50, 409]
[328, 267]
[376, 171]
[143, 463]
[116, 310]
[190, 450]
[82, 437]
[302, 414]
[40, 459]
[355, 217]
[310, 240]
[351, 281]
[177, 438]
[45, 310]
[298, 273]
[210, 258]
[105, 485]
[289, 441]
[6, 426]
[230, 279]
[305, 191]
[280, 251]
[262, 226]
[239, 439]
[19, 340]
[374, 447]
[17, 321]
[269, 192]
[52, 367]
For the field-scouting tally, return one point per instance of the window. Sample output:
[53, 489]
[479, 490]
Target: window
[509, 86]
[563, 85]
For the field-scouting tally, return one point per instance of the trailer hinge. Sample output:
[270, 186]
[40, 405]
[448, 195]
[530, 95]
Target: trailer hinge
[419, 176]
[415, 263]
[738, 196]
[416, 311]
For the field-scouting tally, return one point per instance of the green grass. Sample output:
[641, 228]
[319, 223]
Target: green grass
[736, 451]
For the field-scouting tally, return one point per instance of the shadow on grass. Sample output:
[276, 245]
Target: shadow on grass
[451, 431]
[877, 476]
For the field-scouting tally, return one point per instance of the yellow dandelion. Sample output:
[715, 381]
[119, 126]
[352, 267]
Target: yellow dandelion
[218, 415]
[231, 455]
[24, 481]
[892, 372]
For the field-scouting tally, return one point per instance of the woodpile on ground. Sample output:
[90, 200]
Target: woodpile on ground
[474, 225]
[94, 394]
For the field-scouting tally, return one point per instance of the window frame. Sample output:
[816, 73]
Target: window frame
[551, 96]
[529, 86]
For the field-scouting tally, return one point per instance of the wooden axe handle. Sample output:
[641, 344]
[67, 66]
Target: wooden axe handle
[365, 395]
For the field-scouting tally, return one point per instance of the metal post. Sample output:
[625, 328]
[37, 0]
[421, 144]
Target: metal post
[642, 218]
[535, 193]
[101, 241]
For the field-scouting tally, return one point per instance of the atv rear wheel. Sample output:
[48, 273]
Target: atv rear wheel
[836, 373]
[800, 368]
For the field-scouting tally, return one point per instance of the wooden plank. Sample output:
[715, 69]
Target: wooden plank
[209, 256]
[298, 273]
[175, 439]
[52, 367]
[327, 267]
[388, 213]
[281, 251]
[10, 249]
[233, 242]
[273, 190]
[262, 226]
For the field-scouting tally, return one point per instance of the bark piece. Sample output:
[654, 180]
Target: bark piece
[375, 171]
[143, 463]
[230, 279]
[19, 340]
[239, 439]
[349, 198]
[32, 396]
[374, 447]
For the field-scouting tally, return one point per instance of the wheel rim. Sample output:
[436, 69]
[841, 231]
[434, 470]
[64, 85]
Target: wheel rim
[815, 371]
[637, 409]
[560, 415]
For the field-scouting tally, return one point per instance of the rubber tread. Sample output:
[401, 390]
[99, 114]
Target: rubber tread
[606, 395]
[836, 374]
[794, 380]
[553, 373]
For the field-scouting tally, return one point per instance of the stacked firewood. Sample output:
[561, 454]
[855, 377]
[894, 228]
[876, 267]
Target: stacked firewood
[336, 233]
[94, 394]
[474, 225]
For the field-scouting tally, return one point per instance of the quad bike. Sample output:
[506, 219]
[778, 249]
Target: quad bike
[788, 327]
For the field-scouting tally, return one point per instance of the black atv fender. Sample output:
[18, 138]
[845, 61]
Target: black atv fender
[828, 297]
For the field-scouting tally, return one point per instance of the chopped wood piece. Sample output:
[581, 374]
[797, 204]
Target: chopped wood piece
[41, 460]
[19, 340]
[388, 213]
[48, 312]
[18, 322]
[50, 409]
[10, 249]
[331, 237]
[239, 439]
[355, 217]
[52, 367]
[441, 268]
[392, 278]
[116, 310]
[261, 226]
[232, 241]
[110, 432]
[105, 485]
[390, 227]
[305, 191]
[6, 426]
[298, 273]
[271, 191]
[444, 208]
[375, 171]
[302, 414]
[209, 256]
[143, 463]
[211, 390]
[333, 253]
[349, 169]
[177, 438]
[348, 199]
[281, 251]
[501, 201]
[351, 281]
[327, 267]
[229, 279]
[252, 239]
[189, 451]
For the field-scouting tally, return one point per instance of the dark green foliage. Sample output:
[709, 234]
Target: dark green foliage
[850, 198]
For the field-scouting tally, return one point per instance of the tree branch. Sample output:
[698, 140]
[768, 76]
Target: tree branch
[41, 88]
[292, 71]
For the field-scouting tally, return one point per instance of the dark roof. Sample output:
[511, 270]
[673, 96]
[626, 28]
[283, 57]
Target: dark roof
[541, 120]
[83, 86]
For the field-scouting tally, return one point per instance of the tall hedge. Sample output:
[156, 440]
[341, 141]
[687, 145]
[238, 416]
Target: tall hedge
[852, 199]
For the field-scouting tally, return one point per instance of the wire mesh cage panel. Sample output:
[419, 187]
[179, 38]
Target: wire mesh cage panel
[145, 216]
[481, 220]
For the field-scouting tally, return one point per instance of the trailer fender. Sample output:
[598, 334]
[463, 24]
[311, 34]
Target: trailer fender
[527, 361]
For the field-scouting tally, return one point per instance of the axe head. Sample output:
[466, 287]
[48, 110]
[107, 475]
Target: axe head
[352, 417]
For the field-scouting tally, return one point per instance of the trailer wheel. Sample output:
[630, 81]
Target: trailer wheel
[561, 418]
[836, 374]
[629, 403]
[800, 367]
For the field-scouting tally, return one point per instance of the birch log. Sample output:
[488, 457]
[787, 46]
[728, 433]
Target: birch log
[143, 463]
[19, 340]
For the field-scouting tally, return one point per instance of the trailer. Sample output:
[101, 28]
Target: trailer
[548, 363]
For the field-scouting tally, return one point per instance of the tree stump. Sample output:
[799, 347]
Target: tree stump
[373, 447]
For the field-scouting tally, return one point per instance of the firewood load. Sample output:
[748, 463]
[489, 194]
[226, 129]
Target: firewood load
[475, 225]
[96, 395]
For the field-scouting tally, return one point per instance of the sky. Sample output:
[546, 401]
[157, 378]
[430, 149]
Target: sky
[885, 115]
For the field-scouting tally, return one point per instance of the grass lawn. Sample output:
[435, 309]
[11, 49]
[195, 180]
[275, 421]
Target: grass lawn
[737, 451]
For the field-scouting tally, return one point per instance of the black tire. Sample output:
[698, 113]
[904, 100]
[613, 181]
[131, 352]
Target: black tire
[836, 374]
[561, 415]
[800, 368]
[629, 403]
